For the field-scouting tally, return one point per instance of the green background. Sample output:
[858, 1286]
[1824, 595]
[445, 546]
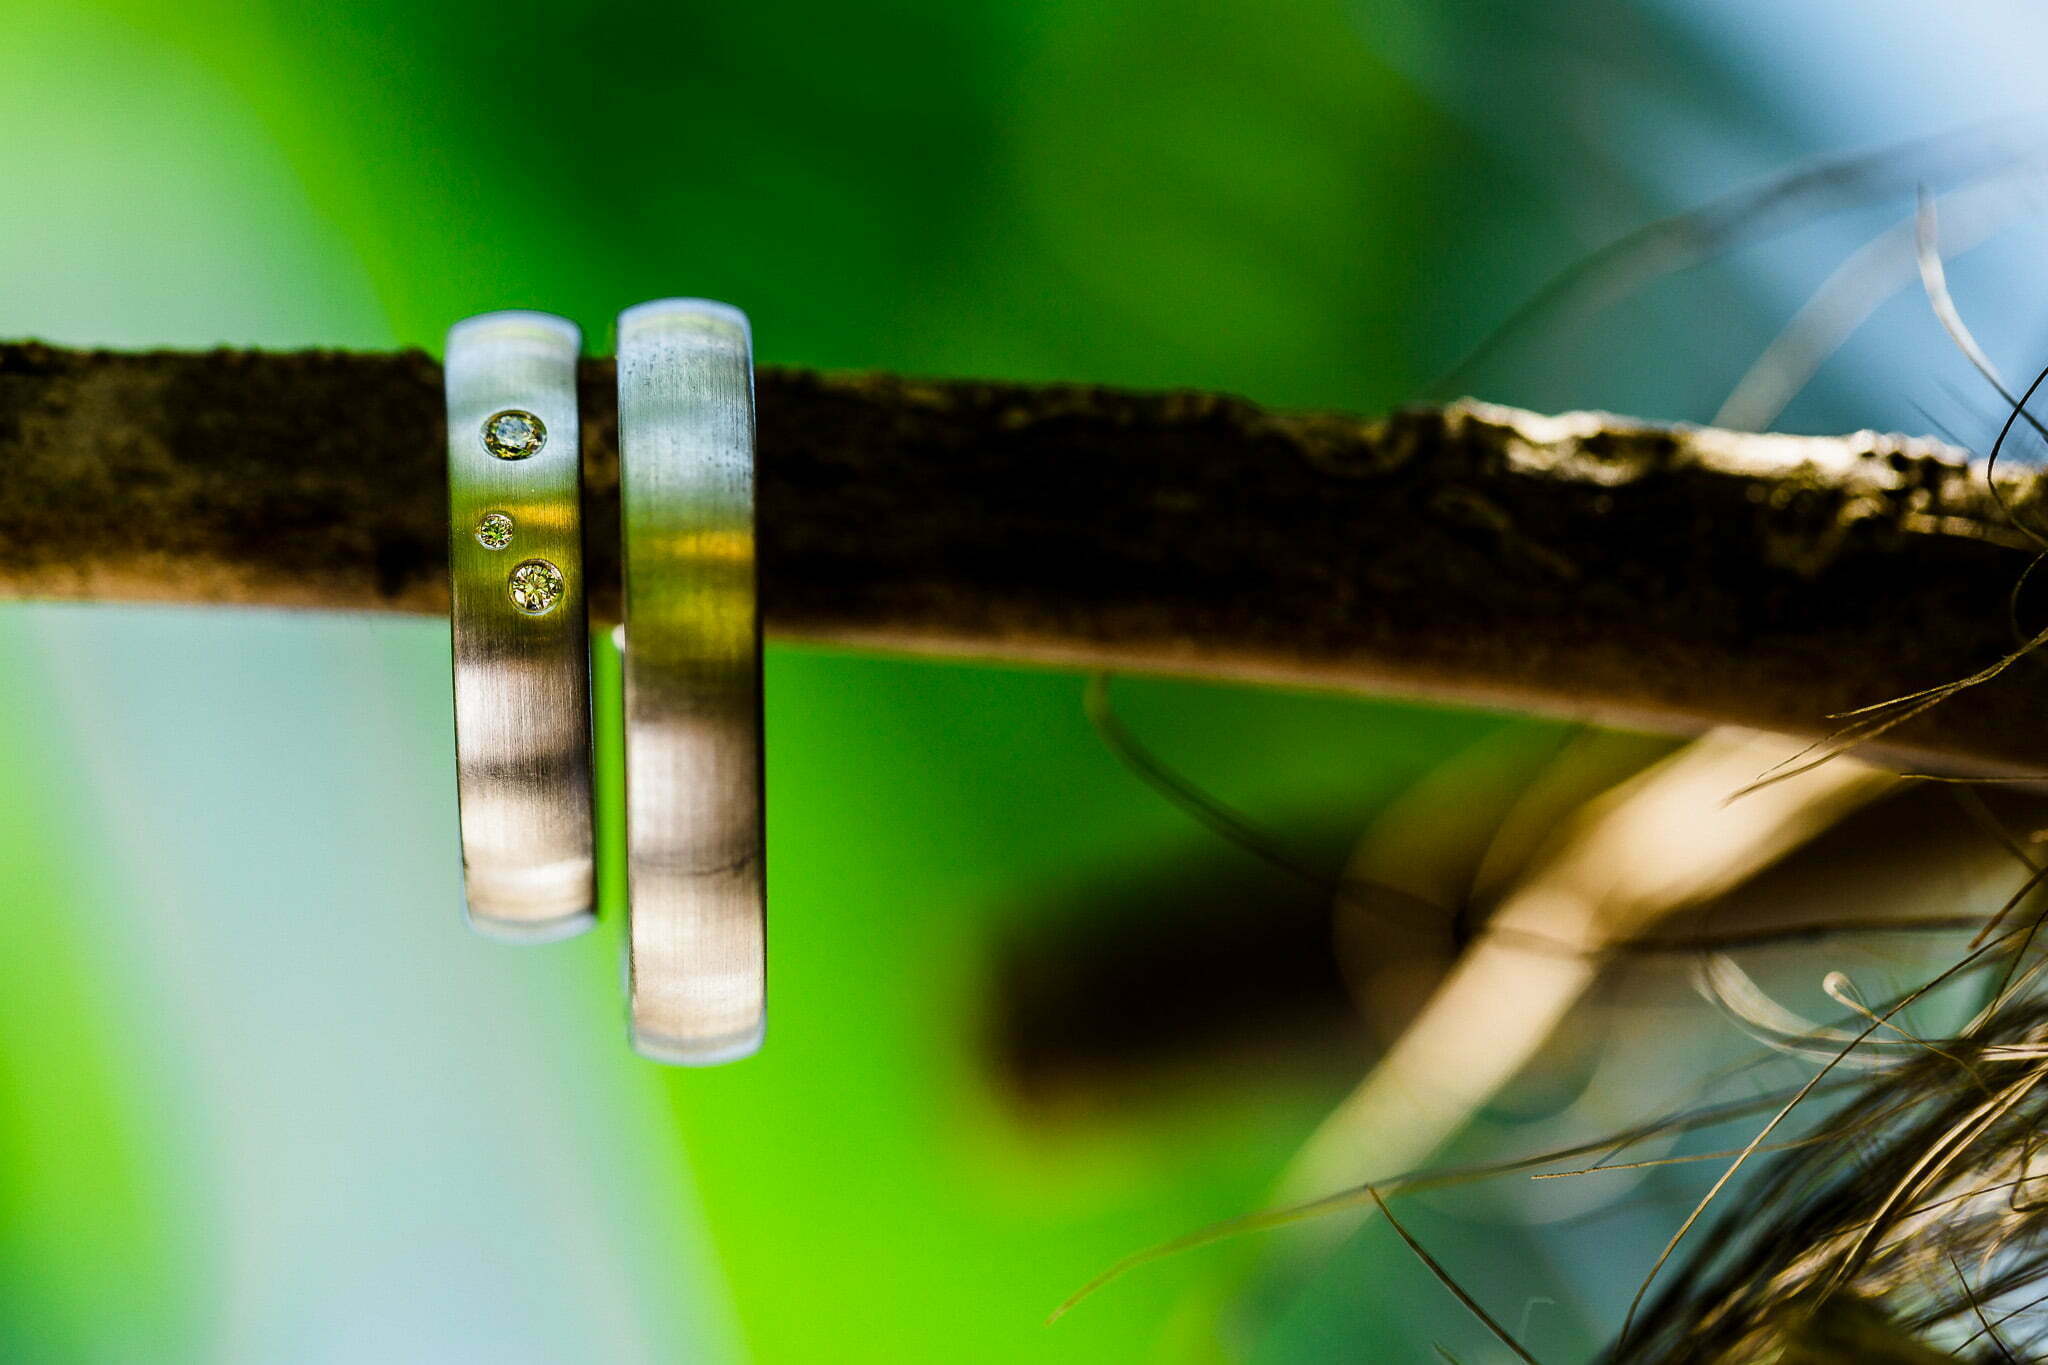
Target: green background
[261, 1098]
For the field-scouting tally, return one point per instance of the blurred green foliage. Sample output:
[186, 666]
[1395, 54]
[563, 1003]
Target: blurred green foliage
[1236, 197]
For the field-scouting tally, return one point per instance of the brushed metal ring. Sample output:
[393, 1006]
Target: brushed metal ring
[518, 625]
[695, 857]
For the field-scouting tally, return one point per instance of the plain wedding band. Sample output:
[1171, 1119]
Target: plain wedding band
[696, 883]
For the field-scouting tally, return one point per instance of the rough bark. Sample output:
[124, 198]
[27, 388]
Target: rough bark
[1583, 564]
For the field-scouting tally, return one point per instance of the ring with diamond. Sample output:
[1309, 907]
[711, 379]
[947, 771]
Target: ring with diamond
[521, 643]
[695, 858]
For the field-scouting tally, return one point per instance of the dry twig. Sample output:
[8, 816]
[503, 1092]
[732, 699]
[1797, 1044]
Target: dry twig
[1582, 564]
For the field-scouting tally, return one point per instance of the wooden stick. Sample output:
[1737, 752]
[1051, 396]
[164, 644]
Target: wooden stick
[1580, 565]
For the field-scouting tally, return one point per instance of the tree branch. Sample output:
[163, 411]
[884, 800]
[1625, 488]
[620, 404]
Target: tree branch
[1582, 565]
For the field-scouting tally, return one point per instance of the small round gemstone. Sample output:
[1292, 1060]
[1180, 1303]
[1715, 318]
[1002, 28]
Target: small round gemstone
[536, 586]
[514, 435]
[494, 531]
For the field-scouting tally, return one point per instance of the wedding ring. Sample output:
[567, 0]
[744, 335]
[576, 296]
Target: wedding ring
[696, 886]
[521, 642]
